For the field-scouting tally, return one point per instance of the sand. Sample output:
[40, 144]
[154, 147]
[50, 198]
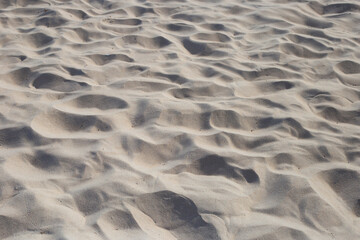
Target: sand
[188, 119]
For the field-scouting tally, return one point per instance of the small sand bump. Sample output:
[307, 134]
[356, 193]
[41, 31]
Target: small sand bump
[63, 124]
[150, 43]
[178, 214]
[349, 67]
[52, 21]
[216, 37]
[21, 136]
[338, 115]
[194, 47]
[74, 71]
[80, 14]
[119, 220]
[342, 181]
[140, 11]
[57, 83]
[189, 18]
[217, 165]
[129, 22]
[98, 101]
[299, 51]
[335, 8]
[214, 26]
[179, 27]
[312, 43]
[45, 161]
[227, 119]
[105, 59]
[39, 40]
[89, 201]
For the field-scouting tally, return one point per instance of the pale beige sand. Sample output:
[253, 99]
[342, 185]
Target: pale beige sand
[188, 119]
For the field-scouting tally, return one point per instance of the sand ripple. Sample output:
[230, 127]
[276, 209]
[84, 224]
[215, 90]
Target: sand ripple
[178, 119]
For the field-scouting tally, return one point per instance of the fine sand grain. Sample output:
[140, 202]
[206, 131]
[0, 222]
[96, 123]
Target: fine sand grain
[179, 119]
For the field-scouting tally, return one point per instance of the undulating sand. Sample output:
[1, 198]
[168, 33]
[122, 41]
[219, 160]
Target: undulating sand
[187, 119]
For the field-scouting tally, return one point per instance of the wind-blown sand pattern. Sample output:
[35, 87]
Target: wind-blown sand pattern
[187, 119]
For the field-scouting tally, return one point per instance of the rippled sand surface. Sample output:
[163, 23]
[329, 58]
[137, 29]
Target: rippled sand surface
[188, 119]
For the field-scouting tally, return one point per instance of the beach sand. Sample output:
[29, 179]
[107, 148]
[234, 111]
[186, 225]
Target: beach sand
[188, 119]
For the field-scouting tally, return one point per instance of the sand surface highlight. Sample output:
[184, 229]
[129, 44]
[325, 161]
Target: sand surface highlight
[188, 119]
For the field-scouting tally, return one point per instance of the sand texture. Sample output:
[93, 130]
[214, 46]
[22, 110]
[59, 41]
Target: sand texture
[186, 119]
